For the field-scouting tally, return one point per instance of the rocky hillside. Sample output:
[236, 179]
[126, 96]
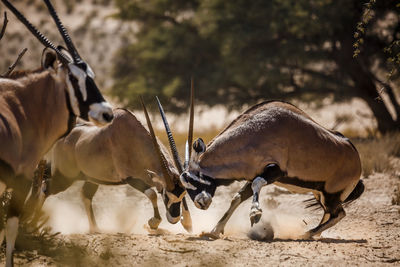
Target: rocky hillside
[94, 31]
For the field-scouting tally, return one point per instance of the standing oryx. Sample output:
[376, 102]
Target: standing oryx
[36, 110]
[123, 152]
[275, 142]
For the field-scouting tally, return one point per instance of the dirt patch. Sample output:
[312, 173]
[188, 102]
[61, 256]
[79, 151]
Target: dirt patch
[368, 235]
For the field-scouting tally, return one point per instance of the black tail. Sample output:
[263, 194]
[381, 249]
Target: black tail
[356, 193]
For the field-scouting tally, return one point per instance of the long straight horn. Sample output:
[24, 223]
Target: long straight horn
[171, 140]
[191, 120]
[64, 32]
[161, 157]
[35, 31]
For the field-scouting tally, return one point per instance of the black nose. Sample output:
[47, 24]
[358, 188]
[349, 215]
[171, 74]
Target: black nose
[108, 117]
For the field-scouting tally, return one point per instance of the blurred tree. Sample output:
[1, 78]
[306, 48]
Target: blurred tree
[244, 51]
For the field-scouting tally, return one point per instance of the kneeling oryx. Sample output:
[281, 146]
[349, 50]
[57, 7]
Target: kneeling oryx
[37, 109]
[275, 142]
[123, 152]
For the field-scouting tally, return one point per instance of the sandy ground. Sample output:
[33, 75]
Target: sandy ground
[368, 235]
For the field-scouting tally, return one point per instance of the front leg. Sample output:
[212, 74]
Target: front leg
[87, 193]
[270, 174]
[138, 184]
[244, 194]
[256, 211]
[186, 219]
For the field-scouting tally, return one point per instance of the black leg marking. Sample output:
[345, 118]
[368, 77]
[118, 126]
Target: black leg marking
[58, 183]
[137, 184]
[271, 173]
[89, 189]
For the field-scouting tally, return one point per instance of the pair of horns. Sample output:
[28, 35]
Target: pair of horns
[176, 158]
[171, 140]
[43, 39]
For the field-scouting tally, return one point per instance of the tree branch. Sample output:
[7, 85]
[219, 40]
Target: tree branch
[12, 66]
[3, 30]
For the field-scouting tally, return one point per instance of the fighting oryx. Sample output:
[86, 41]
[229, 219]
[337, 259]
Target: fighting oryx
[38, 108]
[275, 142]
[123, 152]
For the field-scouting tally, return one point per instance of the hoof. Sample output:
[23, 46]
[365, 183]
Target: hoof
[187, 225]
[211, 235]
[94, 231]
[154, 223]
[306, 236]
[255, 215]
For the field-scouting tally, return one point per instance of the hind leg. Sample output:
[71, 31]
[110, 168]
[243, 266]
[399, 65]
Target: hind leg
[333, 213]
[3, 188]
[21, 188]
[87, 193]
[52, 185]
[138, 184]
[35, 201]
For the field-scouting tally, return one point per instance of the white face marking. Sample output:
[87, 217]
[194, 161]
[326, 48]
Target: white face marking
[97, 110]
[89, 71]
[80, 75]
[174, 199]
[185, 183]
[72, 98]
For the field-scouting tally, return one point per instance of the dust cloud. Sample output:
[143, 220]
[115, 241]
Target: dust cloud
[122, 209]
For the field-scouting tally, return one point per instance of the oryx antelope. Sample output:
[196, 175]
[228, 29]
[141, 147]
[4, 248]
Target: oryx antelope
[123, 152]
[37, 109]
[275, 142]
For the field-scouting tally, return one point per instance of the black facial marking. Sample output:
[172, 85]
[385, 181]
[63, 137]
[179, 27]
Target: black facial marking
[202, 187]
[83, 108]
[175, 209]
[93, 93]
[314, 185]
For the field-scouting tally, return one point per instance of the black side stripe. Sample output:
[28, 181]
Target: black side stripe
[319, 186]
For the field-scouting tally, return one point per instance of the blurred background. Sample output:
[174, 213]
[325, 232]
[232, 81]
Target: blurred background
[313, 53]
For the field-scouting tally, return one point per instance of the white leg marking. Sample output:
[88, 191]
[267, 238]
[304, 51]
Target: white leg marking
[255, 211]
[11, 236]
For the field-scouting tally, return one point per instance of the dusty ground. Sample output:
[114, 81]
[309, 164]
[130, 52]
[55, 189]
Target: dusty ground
[368, 235]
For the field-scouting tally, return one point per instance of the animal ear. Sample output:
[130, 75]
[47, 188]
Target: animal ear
[199, 146]
[65, 52]
[49, 58]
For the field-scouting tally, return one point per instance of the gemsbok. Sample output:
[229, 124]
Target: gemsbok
[38, 108]
[275, 142]
[123, 152]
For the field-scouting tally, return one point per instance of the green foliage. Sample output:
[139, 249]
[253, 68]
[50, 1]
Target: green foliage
[392, 50]
[243, 51]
